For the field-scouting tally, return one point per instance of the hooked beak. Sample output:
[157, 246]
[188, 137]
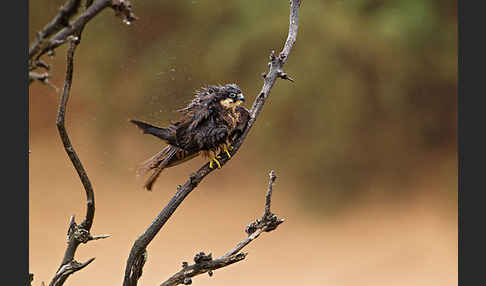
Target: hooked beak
[241, 97]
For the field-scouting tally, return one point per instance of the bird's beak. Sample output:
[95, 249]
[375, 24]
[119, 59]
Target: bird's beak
[241, 97]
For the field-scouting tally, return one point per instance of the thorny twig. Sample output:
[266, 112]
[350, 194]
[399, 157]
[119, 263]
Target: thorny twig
[137, 255]
[205, 264]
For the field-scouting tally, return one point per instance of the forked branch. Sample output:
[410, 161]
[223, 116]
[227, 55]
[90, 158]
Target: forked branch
[205, 264]
[58, 31]
[137, 256]
[76, 234]
[61, 27]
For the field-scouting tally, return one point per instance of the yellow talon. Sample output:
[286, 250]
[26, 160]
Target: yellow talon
[226, 149]
[212, 159]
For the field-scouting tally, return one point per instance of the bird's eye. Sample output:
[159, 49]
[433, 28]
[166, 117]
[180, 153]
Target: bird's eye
[232, 95]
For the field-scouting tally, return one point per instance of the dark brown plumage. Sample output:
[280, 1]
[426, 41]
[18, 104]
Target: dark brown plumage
[209, 123]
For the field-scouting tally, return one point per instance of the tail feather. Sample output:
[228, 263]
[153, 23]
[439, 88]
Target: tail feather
[169, 156]
[162, 133]
[157, 163]
[153, 177]
[153, 162]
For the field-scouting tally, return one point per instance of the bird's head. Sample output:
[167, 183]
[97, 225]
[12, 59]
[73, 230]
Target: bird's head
[229, 95]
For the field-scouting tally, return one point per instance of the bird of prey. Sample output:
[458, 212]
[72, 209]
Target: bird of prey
[211, 121]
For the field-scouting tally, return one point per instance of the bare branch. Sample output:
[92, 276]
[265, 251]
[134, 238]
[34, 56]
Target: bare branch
[204, 263]
[68, 269]
[43, 78]
[76, 234]
[268, 200]
[65, 138]
[276, 64]
[61, 37]
[122, 8]
[60, 28]
[96, 237]
[60, 21]
[38, 76]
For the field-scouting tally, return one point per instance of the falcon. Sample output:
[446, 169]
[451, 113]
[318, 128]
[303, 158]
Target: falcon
[211, 121]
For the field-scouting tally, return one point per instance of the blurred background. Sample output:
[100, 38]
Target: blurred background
[364, 143]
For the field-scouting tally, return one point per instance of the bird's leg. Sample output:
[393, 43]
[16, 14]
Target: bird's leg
[226, 149]
[212, 159]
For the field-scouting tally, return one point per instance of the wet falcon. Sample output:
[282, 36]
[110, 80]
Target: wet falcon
[211, 121]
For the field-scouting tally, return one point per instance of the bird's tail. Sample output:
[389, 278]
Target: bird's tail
[169, 156]
[157, 163]
[162, 133]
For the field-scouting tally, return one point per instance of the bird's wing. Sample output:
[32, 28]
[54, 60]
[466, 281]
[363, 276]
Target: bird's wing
[199, 116]
[243, 117]
[154, 161]
[169, 156]
[195, 121]
[242, 121]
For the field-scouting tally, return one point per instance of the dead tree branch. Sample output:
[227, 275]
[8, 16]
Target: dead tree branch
[76, 234]
[57, 32]
[60, 21]
[205, 264]
[137, 256]
[60, 28]
[43, 78]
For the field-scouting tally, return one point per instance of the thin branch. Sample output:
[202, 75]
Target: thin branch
[65, 137]
[268, 198]
[205, 264]
[76, 234]
[68, 269]
[59, 21]
[122, 8]
[43, 78]
[60, 28]
[267, 223]
[133, 269]
[57, 32]
[61, 37]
